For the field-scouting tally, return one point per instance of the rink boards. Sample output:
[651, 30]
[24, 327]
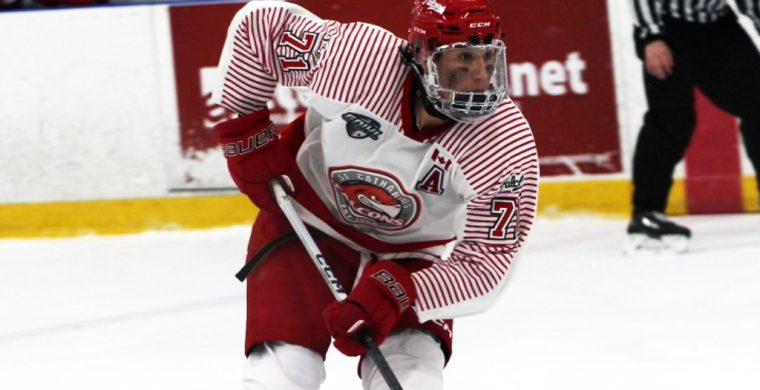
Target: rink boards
[107, 121]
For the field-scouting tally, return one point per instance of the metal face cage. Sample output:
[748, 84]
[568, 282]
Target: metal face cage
[468, 106]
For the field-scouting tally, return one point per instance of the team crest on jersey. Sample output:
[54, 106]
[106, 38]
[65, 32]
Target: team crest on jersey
[361, 126]
[373, 198]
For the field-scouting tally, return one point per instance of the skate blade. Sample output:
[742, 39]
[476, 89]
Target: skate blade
[642, 244]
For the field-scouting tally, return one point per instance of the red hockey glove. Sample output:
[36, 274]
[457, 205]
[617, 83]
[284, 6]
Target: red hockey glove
[254, 155]
[382, 294]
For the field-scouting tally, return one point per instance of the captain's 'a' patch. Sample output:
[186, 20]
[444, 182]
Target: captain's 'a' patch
[433, 181]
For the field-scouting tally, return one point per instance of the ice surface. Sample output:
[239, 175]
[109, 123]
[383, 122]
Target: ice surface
[162, 310]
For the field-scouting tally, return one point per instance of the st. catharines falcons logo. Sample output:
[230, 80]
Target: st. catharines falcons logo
[373, 198]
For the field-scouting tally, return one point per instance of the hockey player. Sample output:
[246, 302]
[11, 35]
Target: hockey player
[411, 162]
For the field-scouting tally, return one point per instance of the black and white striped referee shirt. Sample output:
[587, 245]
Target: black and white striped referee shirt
[650, 13]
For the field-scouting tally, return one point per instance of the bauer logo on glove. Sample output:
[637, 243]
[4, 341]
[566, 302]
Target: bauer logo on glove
[394, 287]
[255, 141]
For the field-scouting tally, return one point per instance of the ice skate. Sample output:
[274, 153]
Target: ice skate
[652, 232]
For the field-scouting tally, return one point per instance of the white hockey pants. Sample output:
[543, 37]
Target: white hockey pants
[415, 356]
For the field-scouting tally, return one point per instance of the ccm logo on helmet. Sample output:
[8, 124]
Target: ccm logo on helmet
[480, 24]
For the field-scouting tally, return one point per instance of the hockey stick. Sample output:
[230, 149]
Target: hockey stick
[283, 200]
[261, 254]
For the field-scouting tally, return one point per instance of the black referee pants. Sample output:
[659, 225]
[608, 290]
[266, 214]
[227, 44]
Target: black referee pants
[719, 59]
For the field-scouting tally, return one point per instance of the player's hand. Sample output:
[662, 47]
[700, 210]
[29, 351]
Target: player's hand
[382, 294]
[254, 155]
[658, 59]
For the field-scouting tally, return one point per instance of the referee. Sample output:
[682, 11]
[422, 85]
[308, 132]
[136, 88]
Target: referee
[685, 44]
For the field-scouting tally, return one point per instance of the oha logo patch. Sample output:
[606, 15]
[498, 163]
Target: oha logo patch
[361, 126]
[373, 198]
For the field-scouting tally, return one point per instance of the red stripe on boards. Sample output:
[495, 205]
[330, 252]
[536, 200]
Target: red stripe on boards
[713, 167]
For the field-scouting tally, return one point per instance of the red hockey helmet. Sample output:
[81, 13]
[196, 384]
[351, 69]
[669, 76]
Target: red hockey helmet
[446, 22]
[468, 33]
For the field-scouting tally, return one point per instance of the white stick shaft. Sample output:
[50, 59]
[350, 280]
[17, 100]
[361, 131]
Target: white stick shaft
[283, 200]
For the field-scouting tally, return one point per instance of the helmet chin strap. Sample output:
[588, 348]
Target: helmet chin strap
[431, 106]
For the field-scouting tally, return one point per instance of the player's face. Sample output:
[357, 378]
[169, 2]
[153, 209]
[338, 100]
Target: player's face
[466, 69]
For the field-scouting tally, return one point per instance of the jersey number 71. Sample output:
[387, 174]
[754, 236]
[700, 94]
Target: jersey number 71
[301, 45]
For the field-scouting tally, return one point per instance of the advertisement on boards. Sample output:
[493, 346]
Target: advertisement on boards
[560, 74]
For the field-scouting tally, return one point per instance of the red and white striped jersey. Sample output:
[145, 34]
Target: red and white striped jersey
[463, 197]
